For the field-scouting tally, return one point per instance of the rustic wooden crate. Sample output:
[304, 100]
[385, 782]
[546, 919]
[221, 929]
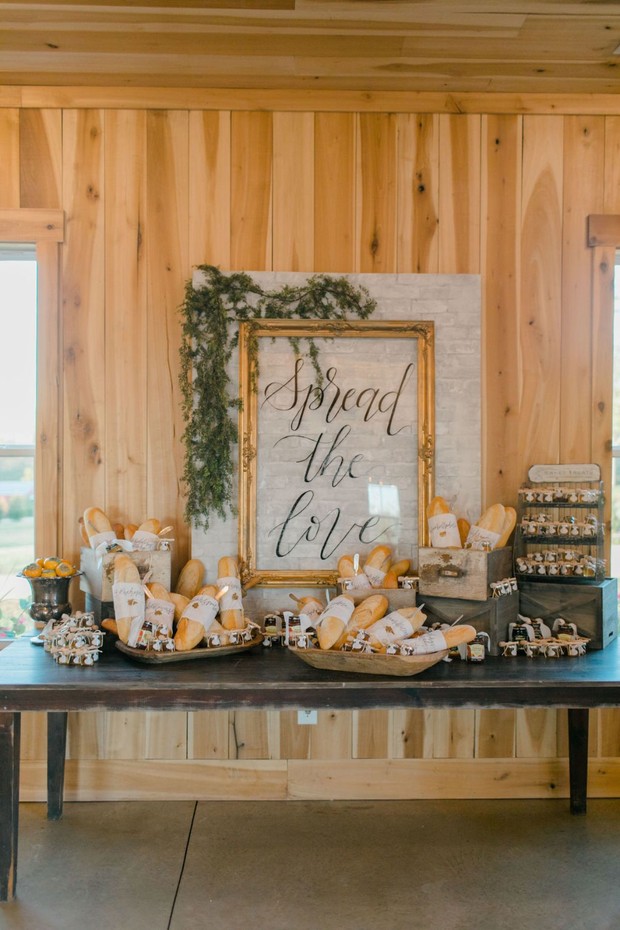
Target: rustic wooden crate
[462, 573]
[99, 572]
[592, 607]
[490, 616]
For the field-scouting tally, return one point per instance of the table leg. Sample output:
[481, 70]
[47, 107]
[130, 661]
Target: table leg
[56, 750]
[9, 803]
[578, 720]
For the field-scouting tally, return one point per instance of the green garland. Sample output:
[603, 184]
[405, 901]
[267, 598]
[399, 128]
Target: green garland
[210, 334]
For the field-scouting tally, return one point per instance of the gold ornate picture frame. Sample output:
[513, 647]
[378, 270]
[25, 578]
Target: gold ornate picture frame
[308, 448]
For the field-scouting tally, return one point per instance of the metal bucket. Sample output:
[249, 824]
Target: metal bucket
[50, 598]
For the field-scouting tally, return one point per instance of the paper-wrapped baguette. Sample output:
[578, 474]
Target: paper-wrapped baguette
[159, 591]
[130, 530]
[346, 568]
[97, 526]
[180, 603]
[442, 525]
[309, 608]
[510, 518]
[231, 605]
[128, 599]
[197, 619]
[366, 613]
[438, 640]
[152, 525]
[377, 564]
[332, 623]
[488, 530]
[398, 624]
[190, 578]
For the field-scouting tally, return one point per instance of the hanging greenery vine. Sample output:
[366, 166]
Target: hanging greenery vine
[211, 315]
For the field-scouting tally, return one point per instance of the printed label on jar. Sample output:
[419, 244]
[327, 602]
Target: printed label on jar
[444, 531]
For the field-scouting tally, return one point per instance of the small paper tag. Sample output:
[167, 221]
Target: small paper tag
[143, 541]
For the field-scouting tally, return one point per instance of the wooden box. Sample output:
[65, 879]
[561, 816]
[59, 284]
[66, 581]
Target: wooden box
[592, 607]
[99, 572]
[462, 573]
[490, 616]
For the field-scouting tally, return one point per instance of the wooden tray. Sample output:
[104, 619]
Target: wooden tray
[368, 664]
[164, 658]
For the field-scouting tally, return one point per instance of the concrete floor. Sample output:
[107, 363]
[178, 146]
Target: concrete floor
[409, 865]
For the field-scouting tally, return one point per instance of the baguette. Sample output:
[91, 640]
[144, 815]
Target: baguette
[83, 532]
[332, 623]
[119, 530]
[464, 527]
[488, 530]
[130, 529]
[231, 609]
[510, 518]
[180, 603]
[438, 640]
[396, 570]
[366, 613]
[190, 578]
[442, 525]
[377, 564]
[95, 523]
[191, 631]
[397, 625]
[125, 572]
[158, 591]
[310, 609]
[346, 568]
[151, 525]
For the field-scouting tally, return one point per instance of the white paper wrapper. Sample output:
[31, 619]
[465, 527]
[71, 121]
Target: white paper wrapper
[341, 607]
[374, 575]
[144, 542]
[102, 539]
[361, 581]
[444, 531]
[160, 612]
[391, 628]
[433, 641]
[478, 538]
[128, 598]
[232, 599]
[203, 609]
[309, 616]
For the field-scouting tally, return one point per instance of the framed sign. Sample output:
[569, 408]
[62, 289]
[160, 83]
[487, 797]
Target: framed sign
[337, 462]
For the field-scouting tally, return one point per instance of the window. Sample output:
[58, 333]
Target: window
[18, 319]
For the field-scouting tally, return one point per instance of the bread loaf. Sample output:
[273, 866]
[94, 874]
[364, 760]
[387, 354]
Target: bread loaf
[464, 527]
[397, 625]
[231, 604]
[197, 619]
[159, 591]
[510, 518]
[96, 523]
[130, 530]
[345, 567]
[438, 640]
[394, 573]
[488, 530]
[152, 525]
[180, 603]
[377, 564]
[125, 572]
[442, 525]
[190, 578]
[366, 613]
[83, 533]
[332, 623]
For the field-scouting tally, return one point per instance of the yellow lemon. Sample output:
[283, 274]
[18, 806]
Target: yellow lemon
[65, 569]
[32, 571]
[51, 561]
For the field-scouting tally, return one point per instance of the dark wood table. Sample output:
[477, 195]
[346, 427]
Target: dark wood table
[275, 679]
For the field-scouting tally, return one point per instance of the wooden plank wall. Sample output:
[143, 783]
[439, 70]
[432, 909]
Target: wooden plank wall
[147, 194]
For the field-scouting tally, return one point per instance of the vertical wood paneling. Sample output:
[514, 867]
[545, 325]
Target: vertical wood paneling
[411, 734]
[40, 159]
[48, 506]
[9, 157]
[331, 736]
[584, 150]
[251, 735]
[251, 180]
[126, 319]
[209, 188]
[536, 733]
[370, 731]
[454, 733]
[418, 193]
[168, 270]
[334, 192]
[207, 735]
[83, 322]
[86, 735]
[294, 738]
[495, 734]
[376, 193]
[540, 291]
[459, 194]
[501, 197]
[293, 191]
